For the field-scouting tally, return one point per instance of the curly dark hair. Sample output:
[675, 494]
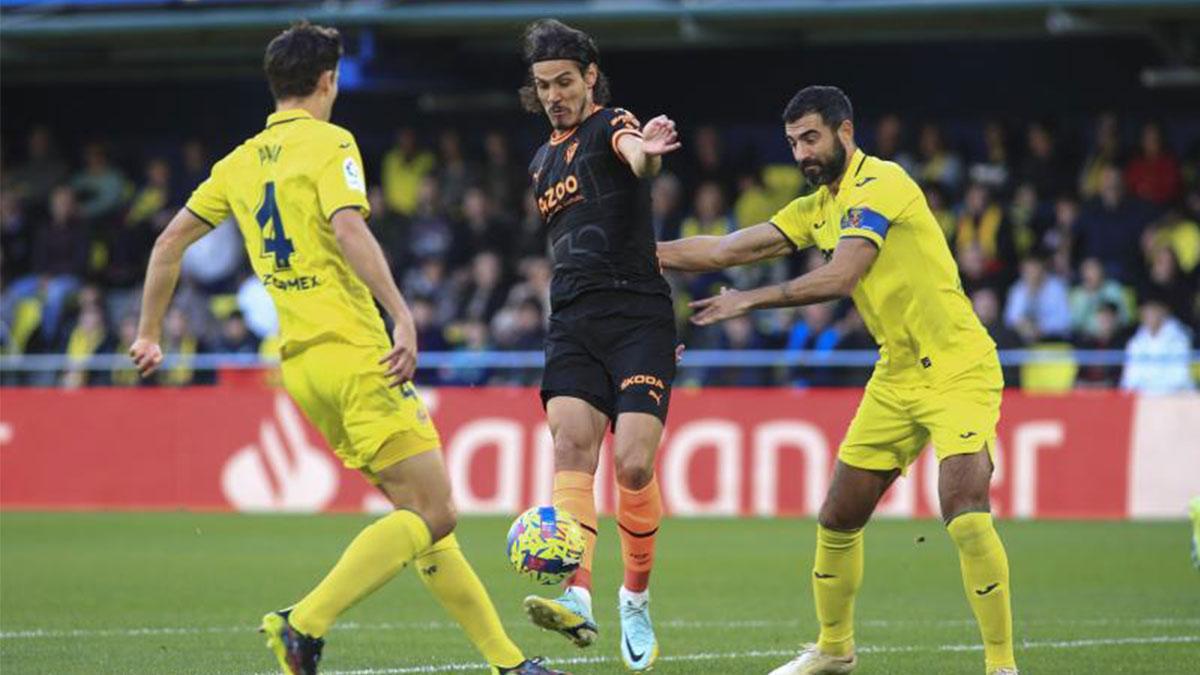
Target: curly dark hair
[550, 39]
[296, 58]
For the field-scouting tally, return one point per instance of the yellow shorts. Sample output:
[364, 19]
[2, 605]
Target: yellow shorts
[342, 390]
[894, 423]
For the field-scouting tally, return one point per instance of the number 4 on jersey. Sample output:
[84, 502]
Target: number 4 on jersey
[277, 244]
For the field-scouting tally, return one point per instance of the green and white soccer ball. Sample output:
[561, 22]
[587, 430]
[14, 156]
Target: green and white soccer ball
[545, 544]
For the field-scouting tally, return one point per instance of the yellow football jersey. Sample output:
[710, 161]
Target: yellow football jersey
[283, 187]
[910, 299]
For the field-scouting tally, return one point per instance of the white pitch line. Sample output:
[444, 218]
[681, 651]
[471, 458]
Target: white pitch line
[762, 653]
[680, 624]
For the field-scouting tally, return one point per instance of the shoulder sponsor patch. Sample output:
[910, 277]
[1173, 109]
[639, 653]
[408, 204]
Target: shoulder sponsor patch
[353, 175]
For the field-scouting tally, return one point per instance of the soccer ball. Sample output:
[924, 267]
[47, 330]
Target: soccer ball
[545, 544]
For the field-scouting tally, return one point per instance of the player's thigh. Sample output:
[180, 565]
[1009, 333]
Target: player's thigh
[961, 415]
[577, 427]
[883, 434]
[852, 496]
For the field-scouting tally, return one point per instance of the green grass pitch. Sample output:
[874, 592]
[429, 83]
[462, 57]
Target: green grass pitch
[182, 593]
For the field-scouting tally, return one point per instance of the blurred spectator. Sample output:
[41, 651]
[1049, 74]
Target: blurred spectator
[1044, 165]
[535, 273]
[101, 187]
[521, 328]
[738, 333]
[981, 229]
[936, 163]
[1110, 227]
[666, 206]
[236, 337]
[16, 248]
[430, 333]
[889, 141]
[1030, 222]
[125, 376]
[1060, 238]
[481, 229]
[404, 168]
[391, 229]
[429, 279]
[708, 217]
[987, 308]
[1105, 151]
[755, 204]
[88, 337]
[708, 162]
[43, 169]
[484, 292]
[454, 173]
[1180, 233]
[128, 243]
[180, 338]
[194, 169]
[470, 337]
[1094, 291]
[1166, 282]
[1106, 334]
[813, 331]
[1153, 173]
[59, 262]
[1157, 358]
[503, 180]
[1037, 307]
[431, 234]
[994, 167]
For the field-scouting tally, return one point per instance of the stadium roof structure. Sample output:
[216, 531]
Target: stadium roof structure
[47, 38]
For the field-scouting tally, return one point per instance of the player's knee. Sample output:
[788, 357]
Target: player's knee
[574, 452]
[835, 517]
[634, 473]
[441, 518]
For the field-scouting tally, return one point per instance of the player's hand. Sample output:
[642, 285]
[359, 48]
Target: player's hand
[659, 136]
[147, 356]
[401, 360]
[728, 304]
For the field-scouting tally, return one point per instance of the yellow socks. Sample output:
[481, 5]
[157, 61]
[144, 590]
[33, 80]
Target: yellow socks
[837, 574]
[381, 550]
[985, 577]
[449, 577]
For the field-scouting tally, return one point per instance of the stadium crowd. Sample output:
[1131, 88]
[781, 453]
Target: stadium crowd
[1062, 243]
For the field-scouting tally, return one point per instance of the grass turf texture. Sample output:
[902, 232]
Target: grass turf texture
[182, 593]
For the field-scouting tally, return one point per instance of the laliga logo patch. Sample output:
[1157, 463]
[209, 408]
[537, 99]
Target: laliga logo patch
[571, 150]
[354, 178]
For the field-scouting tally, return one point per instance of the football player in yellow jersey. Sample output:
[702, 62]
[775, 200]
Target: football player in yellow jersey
[938, 377]
[298, 194]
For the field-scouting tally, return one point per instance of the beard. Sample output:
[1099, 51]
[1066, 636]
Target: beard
[562, 118]
[828, 168]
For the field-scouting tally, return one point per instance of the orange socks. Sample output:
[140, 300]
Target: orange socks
[573, 493]
[638, 516]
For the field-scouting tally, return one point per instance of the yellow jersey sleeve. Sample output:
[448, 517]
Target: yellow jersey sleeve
[878, 203]
[341, 183]
[210, 202]
[795, 221]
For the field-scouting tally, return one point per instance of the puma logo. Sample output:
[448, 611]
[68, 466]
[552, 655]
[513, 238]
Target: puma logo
[655, 395]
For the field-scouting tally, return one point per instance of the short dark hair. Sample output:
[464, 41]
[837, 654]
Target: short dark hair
[551, 39]
[296, 58]
[830, 103]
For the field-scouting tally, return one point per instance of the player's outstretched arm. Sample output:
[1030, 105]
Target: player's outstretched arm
[365, 256]
[706, 253]
[162, 273]
[645, 154]
[837, 279]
